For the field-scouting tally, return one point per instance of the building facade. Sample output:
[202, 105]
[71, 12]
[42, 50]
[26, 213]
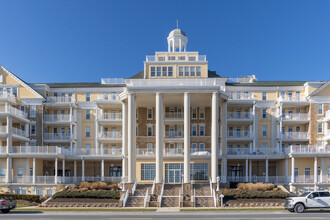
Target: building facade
[176, 121]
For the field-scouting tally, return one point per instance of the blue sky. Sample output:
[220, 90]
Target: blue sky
[81, 41]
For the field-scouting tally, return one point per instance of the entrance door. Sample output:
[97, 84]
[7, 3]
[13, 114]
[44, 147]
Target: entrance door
[115, 171]
[171, 132]
[235, 173]
[174, 176]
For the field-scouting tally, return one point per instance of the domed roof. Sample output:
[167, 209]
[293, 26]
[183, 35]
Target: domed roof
[177, 31]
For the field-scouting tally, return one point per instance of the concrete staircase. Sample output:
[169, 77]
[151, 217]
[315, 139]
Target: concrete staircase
[204, 202]
[203, 195]
[171, 189]
[133, 201]
[137, 200]
[141, 189]
[202, 189]
[170, 202]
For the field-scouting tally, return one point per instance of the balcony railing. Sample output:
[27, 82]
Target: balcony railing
[111, 135]
[100, 152]
[174, 115]
[239, 115]
[294, 135]
[174, 134]
[327, 115]
[3, 129]
[57, 136]
[153, 58]
[267, 151]
[258, 179]
[241, 97]
[57, 118]
[145, 152]
[200, 152]
[60, 99]
[35, 149]
[295, 117]
[288, 98]
[109, 97]
[12, 110]
[7, 95]
[111, 116]
[308, 149]
[239, 134]
[304, 179]
[19, 132]
[173, 152]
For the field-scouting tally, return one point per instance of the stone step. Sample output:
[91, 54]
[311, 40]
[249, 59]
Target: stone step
[170, 202]
[135, 202]
[204, 202]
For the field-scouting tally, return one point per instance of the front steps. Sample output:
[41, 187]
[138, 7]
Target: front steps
[203, 195]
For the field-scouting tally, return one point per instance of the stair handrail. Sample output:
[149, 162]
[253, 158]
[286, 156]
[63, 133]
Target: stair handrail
[161, 195]
[153, 187]
[146, 198]
[214, 198]
[179, 197]
[194, 197]
[125, 198]
[134, 187]
[211, 186]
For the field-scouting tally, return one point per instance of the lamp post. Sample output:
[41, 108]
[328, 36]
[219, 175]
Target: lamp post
[218, 183]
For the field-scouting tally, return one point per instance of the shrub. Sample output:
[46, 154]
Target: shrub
[85, 185]
[30, 198]
[256, 186]
[253, 194]
[89, 194]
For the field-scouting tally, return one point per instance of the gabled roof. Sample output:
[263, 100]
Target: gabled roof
[21, 82]
[320, 89]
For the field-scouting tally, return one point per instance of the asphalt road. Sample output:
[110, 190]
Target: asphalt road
[169, 215]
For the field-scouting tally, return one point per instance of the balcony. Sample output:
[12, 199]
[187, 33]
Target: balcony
[294, 136]
[13, 111]
[19, 133]
[145, 152]
[240, 135]
[243, 97]
[174, 116]
[200, 152]
[292, 98]
[111, 98]
[259, 179]
[294, 118]
[309, 149]
[173, 134]
[111, 117]
[99, 152]
[327, 116]
[4, 96]
[58, 119]
[114, 136]
[173, 152]
[327, 135]
[240, 117]
[247, 151]
[57, 137]
[304, 179]
[60, 99]
[199, 58]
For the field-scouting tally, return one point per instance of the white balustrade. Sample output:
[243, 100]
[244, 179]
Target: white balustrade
[57, 118]
[174, 115]
[111, 116]
[111, 135]
[19, 132]
[239, 115]
[295, 117]
[60, 99]
[57, 136]
[174, 134]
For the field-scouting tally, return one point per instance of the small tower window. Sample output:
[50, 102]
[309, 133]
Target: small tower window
[198, 71]
[159, 71]
[153, 71]
[170, 71]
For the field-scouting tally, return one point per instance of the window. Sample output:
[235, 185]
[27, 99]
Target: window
[32, 111]
[88, 131]
[171, 58]
[198, 71]
[3, 171]
[238, 95]
[88, 148]
[194, 130]
[113, 96]
[33, 129]
[191, 58]
[159, 71]
[193, 147]
[170, 71]
[194, 113]
[264, 130]
[164, 71]
[230, 149]
[307, 172]
[320, 109]
[137, 113]
[161, 58]
[201, 147]
[264, 113]
[192, 70]
[201, 113]
[230, 132]
[238, 148]
[113, 149]
[319, 127]
[296, 171]
[282, 94]
[88, 96]
[88, 114]
[199, 171]
[149, 130]
[149, 113]
[231, 95]
[15, 91]
[152, 71]
[290, 95]
[238, 132]
[20, 171]
[246, 95]
[238, 113]
[49, 192]
[264, 95]
[319, 143]
[324, 194]
[148, 171]
[246, 113]
[297, 96]
[246, 131]
[264, 148]
[149, 148]
[186, 71]
[201, 130]
[182, 58]
[180, 70]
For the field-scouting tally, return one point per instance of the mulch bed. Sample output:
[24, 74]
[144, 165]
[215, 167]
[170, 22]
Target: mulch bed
[82, 201]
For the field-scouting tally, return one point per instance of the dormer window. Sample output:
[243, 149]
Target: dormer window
[192, 58]
[153, 71]
[159, 71]
[170, 71]
[198, 71]
[171, 58]
[192, 71]
[181, 71]
[164, 71]
[186, 71]
[182, 58]
[161, 58]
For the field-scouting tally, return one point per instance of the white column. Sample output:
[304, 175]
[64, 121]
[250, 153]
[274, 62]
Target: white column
[292, 170]
[34, 171]
[224, 127]
[224, 170]
[96, 130]
[180, 44]
[9, 170]
[102, 170]
[266, 170]
[131, 138]
[215, 137]
[56, 161]
[255, 127]
[75, 171]
[246, 170]
[159, 138]
[286, 169]
[124, 139]
[26, 166]
[82, 170]
[322, 170]
[63, 168]
[27, 130]
[315, 169]
[9, 134]
[186, 137]
[250, 171]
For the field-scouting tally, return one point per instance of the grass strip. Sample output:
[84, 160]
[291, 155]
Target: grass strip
[229, 209]
[82, 209]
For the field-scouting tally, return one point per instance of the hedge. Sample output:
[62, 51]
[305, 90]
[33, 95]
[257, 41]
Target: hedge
[88, 194]
[254, 194]
[31, 198]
